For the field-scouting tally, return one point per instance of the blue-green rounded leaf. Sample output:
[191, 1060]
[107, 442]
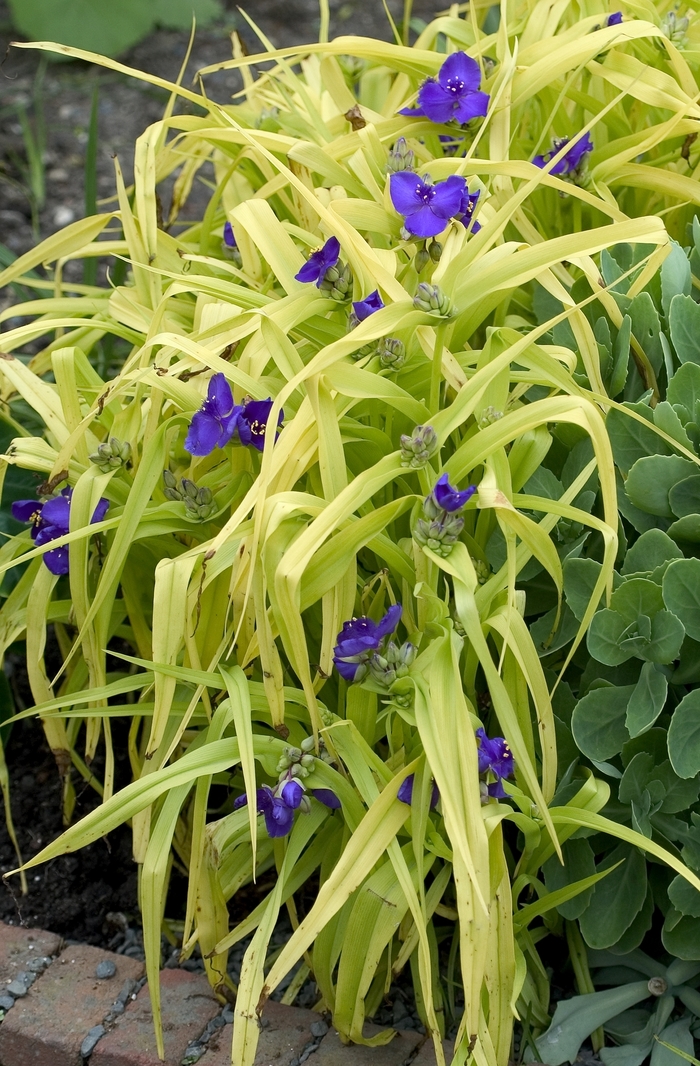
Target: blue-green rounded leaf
[617, 899]
[605, 636]
[598, 721]
[647, 701]
[684, 897]
[681, 593]
[684, 497]
[651, 479]
[667, 635]
[684, 736]
[684, 386]
[684, 323]
[637, 596]
[651, 550]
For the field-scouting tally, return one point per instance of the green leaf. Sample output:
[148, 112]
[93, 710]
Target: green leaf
[605, 637]
[664, 645]
[631, 439]
[675, 276]
[96, 25]
[675, 1035]
[177, 14]
[647, 701]
[684, 386]
[617, 899]
[598, 721]
[635, 597]
[650, 551]
[684, 897]
[651, 479]
[620, 357]
[633, 937]
[684, 736]
[681, 936]
[579, 862]
[681, 593]
[646, 327]
[576, 1018]
[686, 529]
[668, 421]
[580, 576]
[684, 323]
[684, 497]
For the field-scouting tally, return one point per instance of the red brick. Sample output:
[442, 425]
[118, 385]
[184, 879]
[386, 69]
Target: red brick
[333, 1052]
[47, 1026]
[187, 1004]
[284, 1038]
[18, 947]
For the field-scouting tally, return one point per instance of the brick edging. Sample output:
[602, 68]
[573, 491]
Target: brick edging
[77, 1005]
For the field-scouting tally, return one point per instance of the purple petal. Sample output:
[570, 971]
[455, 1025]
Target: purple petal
[412, 112]
[449, 498]
[57, 561]
[56, 512]
[425, 223]
[346, 670]
[459, 67]
[219, 400]
[292, 794]
[311, 270]
[326, 796]
[101, 510]
[279, 819]
[448, 196]
[364, 308]
[390, 620]
[615, 19]
[256, 414]
[24, 510]
[475, 105]
[240, 801]
[346, 649]
[204, 434]
[229, 238]
[405, 189]
[436, 104]
[497, 791]
[405, 793]
[434, 796]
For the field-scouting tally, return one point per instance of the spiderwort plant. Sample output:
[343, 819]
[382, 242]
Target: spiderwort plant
[440, 525]
[455, 94]
[50, 520]
[427, 208]
[219, 419]
[495, 760]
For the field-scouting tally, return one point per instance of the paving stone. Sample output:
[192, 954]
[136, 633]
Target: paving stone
[187, 1005]
[48, 1026]
[282, 1039]
[426, 1055]
[21, 949]
[333, 1052]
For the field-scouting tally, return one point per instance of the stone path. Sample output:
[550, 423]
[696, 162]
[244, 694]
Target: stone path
[78, 1005]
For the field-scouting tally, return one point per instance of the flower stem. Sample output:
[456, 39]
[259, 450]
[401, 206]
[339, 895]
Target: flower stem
[436, 376]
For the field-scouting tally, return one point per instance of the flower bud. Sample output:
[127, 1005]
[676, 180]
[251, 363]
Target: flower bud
[440, 534]
[307, 761]
[675, 28]
[189, 488]
[392, 353]
[307, 744]
[417, 450]
[482, 570]
[430, 298]
[337, 282]
[111, 455]
[299, 771]
[488, 416]
[435, 251]
[283, 764]
[421, 260]
[305, 805]
[400, 157]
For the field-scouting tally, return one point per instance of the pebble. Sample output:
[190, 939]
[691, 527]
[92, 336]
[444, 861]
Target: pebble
[318, 1028]
[39, 964]
[105, 970]
[17, 988]
[63, 215]
[6, 1001]
[90, 1042]
[227, 1014]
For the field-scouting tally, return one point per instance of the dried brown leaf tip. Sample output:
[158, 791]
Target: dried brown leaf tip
[354, 117]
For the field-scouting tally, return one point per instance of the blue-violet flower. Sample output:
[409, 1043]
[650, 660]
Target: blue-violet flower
[229, 239]
[278, 805]
[405, 793]
[51, 520]
[615, 19]
[454, 95]
[446, 498]
[358, 641]
[571, 161]
[362, 309]
[495, 757]
[426, 208]
[219, 418]
[315, 267]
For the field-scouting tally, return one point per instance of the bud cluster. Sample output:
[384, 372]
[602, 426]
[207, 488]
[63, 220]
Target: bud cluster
[439, 532]
[392, 663]
[337, 282]
[111, 455]
[675, 28]
[488, 416]
[391, 352]
[430, 298]
[199, 501]
[400, 157]
[417, 450]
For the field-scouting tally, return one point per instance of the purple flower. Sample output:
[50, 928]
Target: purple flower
[364, 308]
[467, 208]
[315, 267]
[454, 95]
[571, 160]
[219, 418]
[405, 793]
[278, 807]
[427, 208]
[615, 19]
[51, 520]
[252, 422]
[447, 498]
[495, 757]
[216, 421]
[229, 239]
[359, 639]
[326, 796]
